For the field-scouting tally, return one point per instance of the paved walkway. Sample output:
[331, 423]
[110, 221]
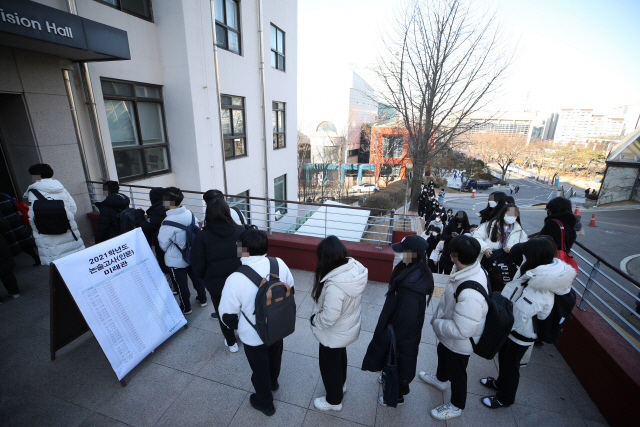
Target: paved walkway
[192, 379]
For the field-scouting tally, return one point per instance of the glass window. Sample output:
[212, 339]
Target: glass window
[227, 25]
[233, 127]
[139, 8]
[241, 202]
[392, 146]
[277, 48]
[135, 117]
[280, 193]
[278, 124]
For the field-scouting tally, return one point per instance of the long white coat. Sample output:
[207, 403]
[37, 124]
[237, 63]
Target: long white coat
[336, 315]
[537, 298]
[54, 246]
[483, 235]
[454, 323]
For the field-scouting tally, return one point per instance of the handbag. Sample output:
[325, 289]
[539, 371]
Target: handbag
[390, 381]
[563, 255]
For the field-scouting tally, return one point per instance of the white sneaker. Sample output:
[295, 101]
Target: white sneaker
[344, 389]
[321, 404]
[232, 348]
[16, 295]
[445, 412]
[432, 380]
[382, 402]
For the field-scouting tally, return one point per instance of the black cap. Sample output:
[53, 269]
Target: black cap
[413, 243]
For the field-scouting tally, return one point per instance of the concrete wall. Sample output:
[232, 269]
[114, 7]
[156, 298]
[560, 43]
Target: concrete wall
[618, 184]
[37, 85]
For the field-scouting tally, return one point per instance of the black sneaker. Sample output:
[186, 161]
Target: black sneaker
[214, 315]
[268, 411]
[202, 304]
[275, 386]
[185, 311]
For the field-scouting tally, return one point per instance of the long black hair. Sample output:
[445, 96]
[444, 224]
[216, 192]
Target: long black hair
[422, 265]
[497, 224]
[218, 211]
[490, 213]
[465, 220]
[331, 254]
[539, 250]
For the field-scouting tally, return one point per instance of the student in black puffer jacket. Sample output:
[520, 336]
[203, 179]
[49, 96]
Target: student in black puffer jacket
[560, 209]
[151, 225]
[404, 309]
[214, 256]
[7, 264]
[17, 235]
[110, 208]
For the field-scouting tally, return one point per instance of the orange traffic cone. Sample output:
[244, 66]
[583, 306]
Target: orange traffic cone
[577, 211]
[592, 223]
[473, 193]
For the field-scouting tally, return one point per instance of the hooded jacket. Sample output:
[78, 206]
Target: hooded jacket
[533, 293]
[454, 323]
[170, 238]
[214, 254]
[335, 320]
[156, 213]
[404, 309]
[109, 220]
[552, 229]
[54, 246]
[483, 235]
[16, 234]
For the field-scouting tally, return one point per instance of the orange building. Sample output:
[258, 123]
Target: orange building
[389, 150]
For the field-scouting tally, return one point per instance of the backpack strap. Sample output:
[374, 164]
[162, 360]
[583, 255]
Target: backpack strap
[251, 274]
[239, 214]
[38, 194]
[471, 284]
[181, 227]
[561, 234]
[274, 268]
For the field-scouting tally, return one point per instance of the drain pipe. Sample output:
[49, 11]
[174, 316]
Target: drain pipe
[76, 125]
[91, 107]
[264, 113]
[215, 61]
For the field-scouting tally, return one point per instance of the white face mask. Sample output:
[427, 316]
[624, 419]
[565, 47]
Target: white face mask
[437, 219]
[509, 219]
[493, 203]
[433, 233]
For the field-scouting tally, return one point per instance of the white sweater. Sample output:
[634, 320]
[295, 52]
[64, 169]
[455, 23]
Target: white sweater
[483, 235]
[239, 293]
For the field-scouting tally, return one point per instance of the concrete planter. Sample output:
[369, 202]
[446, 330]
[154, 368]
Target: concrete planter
[590, 203]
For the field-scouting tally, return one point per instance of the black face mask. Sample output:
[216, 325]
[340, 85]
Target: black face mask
[459, 220]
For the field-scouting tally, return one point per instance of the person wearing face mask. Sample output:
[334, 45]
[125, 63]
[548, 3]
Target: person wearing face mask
[502, 232]
[449, 217]
[437, 223]
[439, 212]
[441, 195]
[497, 200]
[457, 227]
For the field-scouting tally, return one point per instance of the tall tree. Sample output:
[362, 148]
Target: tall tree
[445, 61]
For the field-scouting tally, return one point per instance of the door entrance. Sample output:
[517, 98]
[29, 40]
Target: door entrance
[6, 180]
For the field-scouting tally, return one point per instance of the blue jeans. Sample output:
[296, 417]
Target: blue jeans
[181, 285]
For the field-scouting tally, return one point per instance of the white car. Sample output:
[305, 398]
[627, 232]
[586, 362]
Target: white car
[365, 188]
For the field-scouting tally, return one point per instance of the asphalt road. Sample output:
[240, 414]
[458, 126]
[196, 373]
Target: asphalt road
[615, 237]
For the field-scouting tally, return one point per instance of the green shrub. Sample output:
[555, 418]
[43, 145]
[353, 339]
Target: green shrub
[390, 197]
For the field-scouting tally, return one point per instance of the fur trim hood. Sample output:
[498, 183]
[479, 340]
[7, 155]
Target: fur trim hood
[555, 277]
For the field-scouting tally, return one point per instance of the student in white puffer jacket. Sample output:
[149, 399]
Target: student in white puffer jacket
[53, 246]
[502, 232]
[540, 278]
[454, 322]
[339, 283]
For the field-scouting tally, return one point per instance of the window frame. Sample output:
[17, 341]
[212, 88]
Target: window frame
[244, 195]
[141, 146]
[282, 205]
[284, 119]
[232, 136]
[119, 7]
[284, 50]
[227, 28]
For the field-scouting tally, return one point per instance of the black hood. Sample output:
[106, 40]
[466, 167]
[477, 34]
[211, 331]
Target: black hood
[566, 217]
[221, 228]
[116, 200]
[413, 278]
[155, 195]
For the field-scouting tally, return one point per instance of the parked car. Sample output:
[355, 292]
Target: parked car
[365, 188]
[472, 183]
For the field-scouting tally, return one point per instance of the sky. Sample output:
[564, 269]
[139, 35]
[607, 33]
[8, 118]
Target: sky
[570, 53]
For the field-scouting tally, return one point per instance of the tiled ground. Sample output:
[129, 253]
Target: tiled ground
[192, 379]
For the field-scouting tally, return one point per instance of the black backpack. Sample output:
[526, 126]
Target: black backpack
[50, 216]
[275, 306]
[191, 231]
[129, 218]
[498, 324]
[500, 269]
[549, 329]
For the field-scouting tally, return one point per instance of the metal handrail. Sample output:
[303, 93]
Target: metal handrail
[615, 269]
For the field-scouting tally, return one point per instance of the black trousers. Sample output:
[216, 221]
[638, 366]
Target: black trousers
[509, 358]
[265, 364]
[333, 369]
[179, 277]
[33, 253]
[10, 283]
[229, 335]
[453, 367]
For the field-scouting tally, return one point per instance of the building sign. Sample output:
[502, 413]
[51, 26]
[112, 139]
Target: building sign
[23, 22]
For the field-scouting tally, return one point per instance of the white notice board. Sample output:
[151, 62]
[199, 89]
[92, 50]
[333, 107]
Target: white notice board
[124, 297]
